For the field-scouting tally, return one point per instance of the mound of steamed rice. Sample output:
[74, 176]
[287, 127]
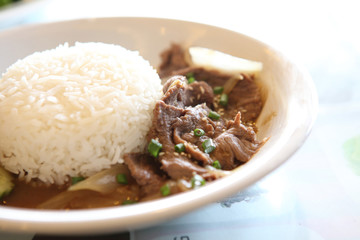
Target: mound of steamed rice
[75, 110]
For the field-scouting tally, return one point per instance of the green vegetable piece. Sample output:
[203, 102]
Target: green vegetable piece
[191, 80]
[190, 77]
[165, 190]
[127, 202]
[218, 90]
[224, 99]
[216, 164]
[121, 178]
[180, 147]
[75, 180]
[199, 132]
[214, 115]
[208, 145]
[6, 182]
[154, 148]
[197, 181]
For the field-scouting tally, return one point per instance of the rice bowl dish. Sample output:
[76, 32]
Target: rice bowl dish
[76, 120]
[289, 90]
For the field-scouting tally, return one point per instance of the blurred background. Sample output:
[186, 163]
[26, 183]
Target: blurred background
[323, 35]
[316, 194]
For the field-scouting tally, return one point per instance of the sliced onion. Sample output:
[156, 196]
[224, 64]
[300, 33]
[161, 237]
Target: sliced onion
[60, 201]
[103, 182]
[231, 83]
[218, 173]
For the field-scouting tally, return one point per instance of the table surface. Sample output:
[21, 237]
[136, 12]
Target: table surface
[314, 195]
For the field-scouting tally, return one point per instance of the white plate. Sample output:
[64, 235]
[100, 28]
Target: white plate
[287, 117]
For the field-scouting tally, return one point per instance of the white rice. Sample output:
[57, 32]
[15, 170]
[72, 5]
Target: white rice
[73, 111]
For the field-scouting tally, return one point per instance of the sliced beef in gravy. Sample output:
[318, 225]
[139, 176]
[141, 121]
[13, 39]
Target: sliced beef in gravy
[175, 117]
[245, 96]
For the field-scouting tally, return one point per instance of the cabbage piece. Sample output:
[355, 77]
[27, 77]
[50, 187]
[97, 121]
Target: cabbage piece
[215, 60]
